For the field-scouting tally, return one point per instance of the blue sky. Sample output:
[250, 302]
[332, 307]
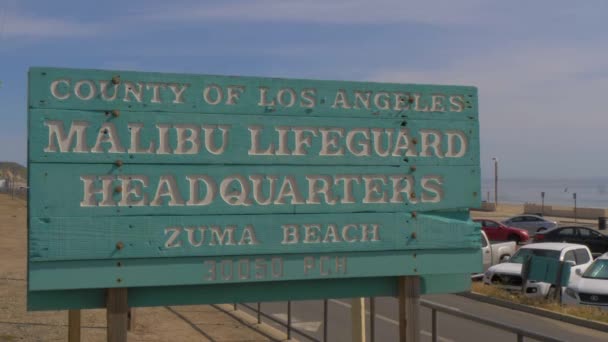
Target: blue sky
[541, 66]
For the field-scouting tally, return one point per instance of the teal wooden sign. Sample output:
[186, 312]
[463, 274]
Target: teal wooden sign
[549, 270]
[175, 184]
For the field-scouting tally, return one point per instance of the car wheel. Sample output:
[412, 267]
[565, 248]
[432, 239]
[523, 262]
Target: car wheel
[513, 237]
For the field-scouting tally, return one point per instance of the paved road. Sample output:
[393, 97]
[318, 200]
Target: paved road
[307, 316]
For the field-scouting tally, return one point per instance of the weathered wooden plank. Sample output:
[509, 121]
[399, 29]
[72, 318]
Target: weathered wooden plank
[58, 275]
[146, 137]
[87, 238]
[58, 190]
[102, 208]
[243, 292]
[445, 283]
[139, 91]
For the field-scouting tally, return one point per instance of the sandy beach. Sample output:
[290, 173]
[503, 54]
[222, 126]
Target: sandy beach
[506, 210]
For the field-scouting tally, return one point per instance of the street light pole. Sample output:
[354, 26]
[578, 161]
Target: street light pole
[542, 196]
[495, 182]
[574, 197]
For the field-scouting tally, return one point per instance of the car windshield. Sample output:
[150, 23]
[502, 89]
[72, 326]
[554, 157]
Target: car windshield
[520, 256]
[598, 270]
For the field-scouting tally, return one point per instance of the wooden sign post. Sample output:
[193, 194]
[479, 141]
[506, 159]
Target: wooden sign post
[117, 315]
[197, 189]
[409, 309]
[74, 326]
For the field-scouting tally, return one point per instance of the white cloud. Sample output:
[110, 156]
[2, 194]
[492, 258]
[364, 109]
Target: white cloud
[444, 12]
[324, 11]
[15, 25]
[523, 73]
[542, 108]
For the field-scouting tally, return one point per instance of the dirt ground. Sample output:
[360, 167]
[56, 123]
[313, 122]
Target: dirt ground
[175, 324]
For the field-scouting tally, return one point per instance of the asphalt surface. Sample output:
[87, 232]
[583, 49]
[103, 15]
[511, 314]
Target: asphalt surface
[307, 317]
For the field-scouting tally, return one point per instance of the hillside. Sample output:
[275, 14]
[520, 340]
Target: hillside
[6, 168]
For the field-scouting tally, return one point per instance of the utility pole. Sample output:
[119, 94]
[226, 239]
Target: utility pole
[495, 181]
[542, 208]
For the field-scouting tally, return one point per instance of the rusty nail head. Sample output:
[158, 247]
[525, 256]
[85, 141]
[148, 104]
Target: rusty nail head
[115, 113]
[120, 245]
[414, 141]
[416, 270]
[413, 214]
[118, 163]
[413, 235]
[116, 79]
[413, 168]
[118, 189]
[410, 99]
[118, 280]
[413, 195]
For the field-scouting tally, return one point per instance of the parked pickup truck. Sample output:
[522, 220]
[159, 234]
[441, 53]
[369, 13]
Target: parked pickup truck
[508, 275]
[494, 253]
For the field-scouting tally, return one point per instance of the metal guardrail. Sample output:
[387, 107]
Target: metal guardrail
[519, 333]
[289, 328]
[20, 192]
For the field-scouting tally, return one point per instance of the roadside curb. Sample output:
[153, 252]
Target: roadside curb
[536, 311]
[252, 322]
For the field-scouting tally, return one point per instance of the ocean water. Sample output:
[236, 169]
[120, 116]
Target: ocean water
[590, 193]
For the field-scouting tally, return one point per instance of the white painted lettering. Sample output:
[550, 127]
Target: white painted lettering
[55, 92]
[178, 91]
[134, 90]
[90, 91]
[132, 194]
[172, 240]
[213, 94]
[167, 187]
[57, 136]
[108, 135]
[135, 129]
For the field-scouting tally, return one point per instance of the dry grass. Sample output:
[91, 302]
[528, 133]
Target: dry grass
[585, 312]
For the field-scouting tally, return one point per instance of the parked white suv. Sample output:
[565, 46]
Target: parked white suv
[508, 275]
[592, 287]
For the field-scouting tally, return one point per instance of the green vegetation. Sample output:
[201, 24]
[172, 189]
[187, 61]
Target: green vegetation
[585, 312]
[12, 167]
